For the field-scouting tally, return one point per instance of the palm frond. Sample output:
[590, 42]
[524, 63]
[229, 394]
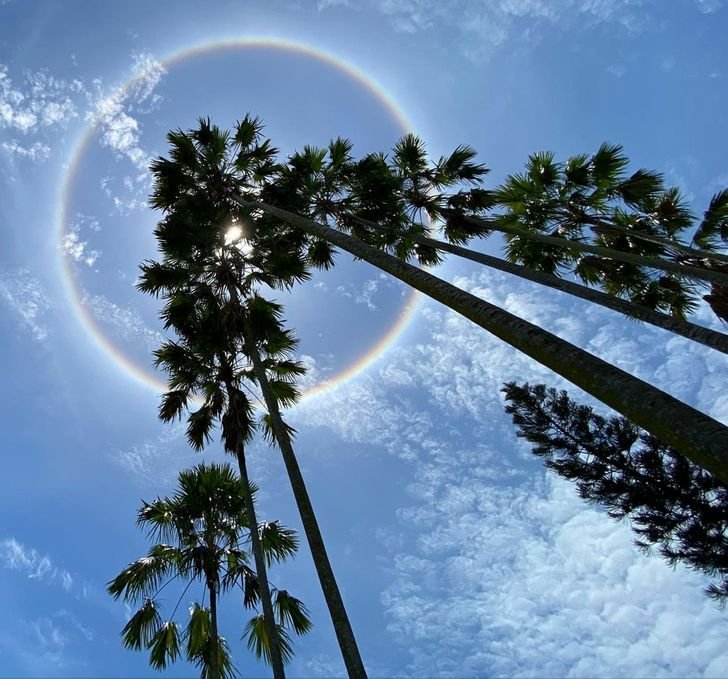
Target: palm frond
[277, 542]
[164, 645]
[257, 640]
[713, 230]
[291, 612]
[142, 627]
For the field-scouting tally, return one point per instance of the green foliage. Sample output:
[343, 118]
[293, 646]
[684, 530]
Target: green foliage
[207, 521]
[669, 501]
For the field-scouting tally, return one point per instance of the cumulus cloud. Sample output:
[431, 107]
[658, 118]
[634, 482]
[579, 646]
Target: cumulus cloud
[512, 581]
[27, 300]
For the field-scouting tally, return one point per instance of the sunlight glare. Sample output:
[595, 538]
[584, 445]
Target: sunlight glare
[233, 234]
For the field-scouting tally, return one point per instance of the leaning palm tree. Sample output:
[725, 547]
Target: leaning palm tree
[201, 529]
[369, 189]
[694, 434]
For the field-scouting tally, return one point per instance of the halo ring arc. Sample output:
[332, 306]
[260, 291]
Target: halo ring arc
[71, 285]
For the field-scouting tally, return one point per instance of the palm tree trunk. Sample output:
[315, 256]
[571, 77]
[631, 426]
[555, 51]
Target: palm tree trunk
[262, 572]
[706, 336]
[214, 636]
[651, 262]
[697, 436]
[332, 595]
[599, 225]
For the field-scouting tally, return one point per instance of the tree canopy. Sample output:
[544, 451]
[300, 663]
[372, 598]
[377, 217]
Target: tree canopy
[671, 503]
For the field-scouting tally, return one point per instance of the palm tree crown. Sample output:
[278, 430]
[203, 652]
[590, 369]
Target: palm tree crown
[199, 538]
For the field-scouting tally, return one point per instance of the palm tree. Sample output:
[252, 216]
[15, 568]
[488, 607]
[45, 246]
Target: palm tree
[697, 436]
[205, 363]
[204, 520]
[634, 222]
[208, 276]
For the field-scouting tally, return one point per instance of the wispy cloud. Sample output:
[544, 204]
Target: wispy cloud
[26, 298]
[36, 152]
[483, 27]
[40, 101]
[708, 6]
[36, 102]
[36, 566]
[112, 111]
[125, 321]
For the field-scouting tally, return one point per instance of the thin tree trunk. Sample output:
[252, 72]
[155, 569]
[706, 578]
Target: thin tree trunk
[697, 436]
[262, 572]
[332, 595]
[706, 336]
[650, 262]
[214, 636]
[598, 225]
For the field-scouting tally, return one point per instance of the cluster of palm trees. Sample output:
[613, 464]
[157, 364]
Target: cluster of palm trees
[237, 220]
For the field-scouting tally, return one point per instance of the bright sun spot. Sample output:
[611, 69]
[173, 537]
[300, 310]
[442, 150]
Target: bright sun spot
[233, 234]
[236, 237]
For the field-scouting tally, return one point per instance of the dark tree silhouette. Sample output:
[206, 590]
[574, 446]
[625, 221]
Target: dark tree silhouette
[201, 530]
[671, 503]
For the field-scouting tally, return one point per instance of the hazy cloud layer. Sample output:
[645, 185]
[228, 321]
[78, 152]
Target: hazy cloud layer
[27, 300]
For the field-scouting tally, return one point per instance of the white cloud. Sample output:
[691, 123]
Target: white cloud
[111, 111]
[514, 581]
[35, 152]
[148, 72]
[73, 245]
[40, 101]
[126, 322]
[497, 569]
[17, 557]
[482, 27]
[26, 298]
[709, 6]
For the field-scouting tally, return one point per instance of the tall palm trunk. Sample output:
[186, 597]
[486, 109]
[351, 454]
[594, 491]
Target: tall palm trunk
[608, 253]
[262, 572]
[332, 595]
[706, 336]
[214, 636]
[697, 436]
[258, 556]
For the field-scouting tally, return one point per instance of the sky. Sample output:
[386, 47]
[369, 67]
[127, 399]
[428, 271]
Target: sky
[457, 555]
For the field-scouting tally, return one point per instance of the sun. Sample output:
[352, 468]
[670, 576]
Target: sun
[233, 234]
[235, 237]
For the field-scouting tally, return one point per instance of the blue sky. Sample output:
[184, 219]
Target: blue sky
[456, 554]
